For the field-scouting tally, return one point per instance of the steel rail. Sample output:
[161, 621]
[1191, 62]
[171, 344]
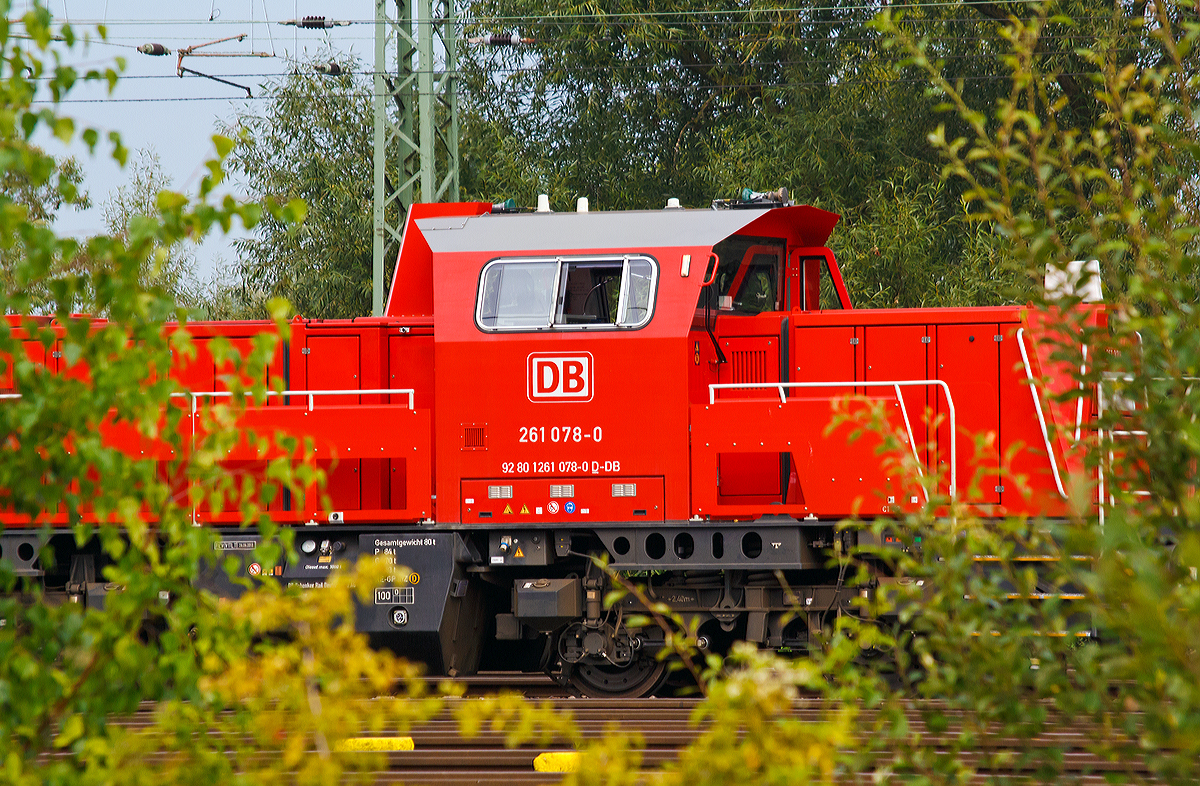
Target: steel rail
[437, 751]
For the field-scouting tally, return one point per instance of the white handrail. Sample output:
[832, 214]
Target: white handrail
[1037, 406]
[1100, 458]
[194, 395]
[781, 386]
[1079, 401]
[912, 441]
[410, 392]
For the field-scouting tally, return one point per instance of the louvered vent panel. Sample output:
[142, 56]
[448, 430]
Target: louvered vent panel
[749, 365]
[624, 489]
[474, 438]
[500, 492]
[563, 491]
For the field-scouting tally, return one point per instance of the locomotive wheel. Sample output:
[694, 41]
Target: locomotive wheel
[605, 681]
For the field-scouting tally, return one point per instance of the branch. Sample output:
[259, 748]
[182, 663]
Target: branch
[1070, 86]
[991, 11]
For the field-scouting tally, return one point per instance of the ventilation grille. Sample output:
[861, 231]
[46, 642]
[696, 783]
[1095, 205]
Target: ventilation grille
[624, 489]
[566, 490]
[499, 492]
[749, 365]
[474, 438]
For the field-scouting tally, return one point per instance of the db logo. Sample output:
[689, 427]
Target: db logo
[560, 377]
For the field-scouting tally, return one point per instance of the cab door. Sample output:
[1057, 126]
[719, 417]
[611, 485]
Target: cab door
[749, 478]
[968, 361]
[333, 364]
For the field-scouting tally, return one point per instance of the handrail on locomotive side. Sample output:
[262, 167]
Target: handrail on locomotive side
[897, 384]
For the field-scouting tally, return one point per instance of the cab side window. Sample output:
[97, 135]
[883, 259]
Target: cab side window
[517, 296]
[588, 293]
[639, 292]
[567, 293]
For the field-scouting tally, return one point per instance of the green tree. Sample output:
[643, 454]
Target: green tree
[313, 143]
[269, 673]
[1000, 644]
[40, 196]
[173, 269]
[633, 104]
[630, 104]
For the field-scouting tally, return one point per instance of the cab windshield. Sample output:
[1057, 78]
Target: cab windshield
[747, 277]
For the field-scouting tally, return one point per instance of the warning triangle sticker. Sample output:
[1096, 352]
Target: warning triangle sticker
[508, 508]
[524, 508]
[518, 552]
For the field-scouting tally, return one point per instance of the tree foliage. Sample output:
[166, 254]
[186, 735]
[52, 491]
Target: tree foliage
[173, 269]
[632, 103]
[1089, 151]
[40, 196]
[313, 143]
[268, 673]
[636, 103]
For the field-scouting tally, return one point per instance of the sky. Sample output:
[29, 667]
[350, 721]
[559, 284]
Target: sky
[153, 108]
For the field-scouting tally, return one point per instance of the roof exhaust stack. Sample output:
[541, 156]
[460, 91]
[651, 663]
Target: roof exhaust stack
[581, 205]
[543, 203]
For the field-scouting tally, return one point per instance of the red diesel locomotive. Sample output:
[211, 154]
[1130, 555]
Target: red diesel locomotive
[651, 386]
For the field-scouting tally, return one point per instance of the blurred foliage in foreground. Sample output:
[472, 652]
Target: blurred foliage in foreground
[270, 672]
[275, 673]
[1102, 632]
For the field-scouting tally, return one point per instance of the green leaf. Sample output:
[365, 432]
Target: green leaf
[223, 144]
[72, 730]
[64, 128]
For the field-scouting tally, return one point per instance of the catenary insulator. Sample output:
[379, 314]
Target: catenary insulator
[315, 22]
[154, 49]
[500, 40]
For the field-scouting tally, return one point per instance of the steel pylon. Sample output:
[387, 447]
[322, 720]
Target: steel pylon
[416, 116]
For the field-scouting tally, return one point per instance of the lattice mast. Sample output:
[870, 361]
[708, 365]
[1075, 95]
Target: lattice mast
[420, 33]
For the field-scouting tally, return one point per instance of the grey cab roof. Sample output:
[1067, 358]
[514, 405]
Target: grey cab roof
[541, 232]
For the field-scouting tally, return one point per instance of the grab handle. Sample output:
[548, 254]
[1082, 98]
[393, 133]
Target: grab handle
[712, 260]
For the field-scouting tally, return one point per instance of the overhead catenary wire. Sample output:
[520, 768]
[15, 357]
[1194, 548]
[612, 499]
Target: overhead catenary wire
[718, 16]
[724, 11]
[643, 16]
[864, 62]
[687, 88]
[552, 44]
[744, 37]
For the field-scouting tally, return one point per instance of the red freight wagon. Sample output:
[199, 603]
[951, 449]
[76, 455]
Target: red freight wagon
[656, 387]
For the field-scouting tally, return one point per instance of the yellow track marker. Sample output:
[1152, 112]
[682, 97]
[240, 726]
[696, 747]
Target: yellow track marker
[557, 761]
[375, 744]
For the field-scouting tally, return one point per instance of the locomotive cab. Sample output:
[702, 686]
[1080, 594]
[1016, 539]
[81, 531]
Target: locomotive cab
[751, 277]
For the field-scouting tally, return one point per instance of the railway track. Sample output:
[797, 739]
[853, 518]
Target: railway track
[441, 756]
[436, 752]
[533, 686]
